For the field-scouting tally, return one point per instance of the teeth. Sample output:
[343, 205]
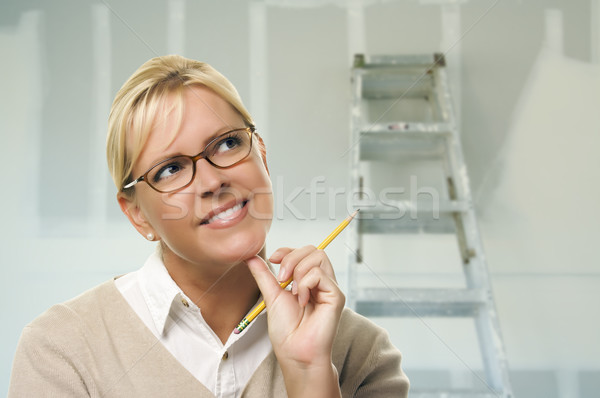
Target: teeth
[225, 214]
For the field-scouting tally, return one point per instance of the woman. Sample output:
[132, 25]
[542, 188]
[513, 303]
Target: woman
[167, 329]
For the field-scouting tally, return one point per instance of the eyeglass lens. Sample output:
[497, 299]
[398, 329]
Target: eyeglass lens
[175, 173]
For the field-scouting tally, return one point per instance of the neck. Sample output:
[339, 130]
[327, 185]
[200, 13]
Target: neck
[223, 293]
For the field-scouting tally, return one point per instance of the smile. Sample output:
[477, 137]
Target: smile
[224, 217]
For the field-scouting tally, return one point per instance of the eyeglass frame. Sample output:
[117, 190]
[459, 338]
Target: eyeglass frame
[202, 155]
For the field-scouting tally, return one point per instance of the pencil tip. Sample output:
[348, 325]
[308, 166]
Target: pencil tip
[355, 213]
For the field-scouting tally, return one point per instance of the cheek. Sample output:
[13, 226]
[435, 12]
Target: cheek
[261, 206]
[261, 195]
[172, 207]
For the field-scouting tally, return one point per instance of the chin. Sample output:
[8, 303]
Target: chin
[244, 248]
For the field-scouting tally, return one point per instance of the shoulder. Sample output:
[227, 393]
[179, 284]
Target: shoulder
[87, 345]
[84, 309]
[368, 363]
[74, 324]
[52, 352]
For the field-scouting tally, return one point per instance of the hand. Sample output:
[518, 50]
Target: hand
[302, 322]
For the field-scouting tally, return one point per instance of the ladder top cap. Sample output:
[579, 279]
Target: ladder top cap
[388, 60]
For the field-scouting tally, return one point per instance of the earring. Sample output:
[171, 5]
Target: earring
[150, 236]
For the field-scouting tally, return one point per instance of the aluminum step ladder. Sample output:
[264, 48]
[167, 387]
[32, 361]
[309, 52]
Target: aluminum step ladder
[402, 115]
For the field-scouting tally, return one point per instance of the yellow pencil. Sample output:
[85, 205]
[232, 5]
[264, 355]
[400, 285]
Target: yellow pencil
[259, 308]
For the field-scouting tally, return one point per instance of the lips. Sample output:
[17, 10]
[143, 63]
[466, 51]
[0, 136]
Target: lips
[224, 214]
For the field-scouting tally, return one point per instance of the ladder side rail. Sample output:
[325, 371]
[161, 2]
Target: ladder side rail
[492, 350]
[440, 111]
[455, 169]
[476, 271]
[459, 188]
[487, 322]
[354, 160]
[443, 95]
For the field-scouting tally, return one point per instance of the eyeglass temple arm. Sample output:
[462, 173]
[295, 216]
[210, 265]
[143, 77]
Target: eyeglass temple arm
[132, 183]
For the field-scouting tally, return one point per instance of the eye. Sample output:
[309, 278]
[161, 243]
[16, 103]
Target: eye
[167, 170]
[228, 143]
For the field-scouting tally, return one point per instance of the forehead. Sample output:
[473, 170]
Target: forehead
[184, 122]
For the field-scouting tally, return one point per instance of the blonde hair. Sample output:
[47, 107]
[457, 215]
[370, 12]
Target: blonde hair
[137, 103]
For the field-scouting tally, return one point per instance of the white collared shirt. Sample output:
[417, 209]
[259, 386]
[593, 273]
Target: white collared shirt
[178, 324]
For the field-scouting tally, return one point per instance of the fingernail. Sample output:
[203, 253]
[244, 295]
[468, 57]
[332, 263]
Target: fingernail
[280, 274]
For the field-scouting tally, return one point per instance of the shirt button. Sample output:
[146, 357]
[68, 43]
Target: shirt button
[225, 356]
[185, 303]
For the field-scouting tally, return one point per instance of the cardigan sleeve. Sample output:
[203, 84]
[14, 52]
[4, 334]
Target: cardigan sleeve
[369, 365]
[385, 377]
[43, 369]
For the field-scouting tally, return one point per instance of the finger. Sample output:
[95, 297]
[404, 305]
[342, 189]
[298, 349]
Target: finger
[268, 285]
[316, 259]
[276, 258]
[317, 285]
[290, 260]
[279, 254]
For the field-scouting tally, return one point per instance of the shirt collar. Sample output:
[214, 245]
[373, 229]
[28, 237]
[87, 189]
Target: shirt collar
[159, 290]
[160, 293]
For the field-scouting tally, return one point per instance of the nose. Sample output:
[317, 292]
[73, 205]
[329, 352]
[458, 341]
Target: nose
[209, 180]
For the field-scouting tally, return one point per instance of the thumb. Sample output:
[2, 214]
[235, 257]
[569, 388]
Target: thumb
[268, 285]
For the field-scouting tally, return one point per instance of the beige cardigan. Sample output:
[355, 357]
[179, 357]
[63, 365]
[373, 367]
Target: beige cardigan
[95, 346]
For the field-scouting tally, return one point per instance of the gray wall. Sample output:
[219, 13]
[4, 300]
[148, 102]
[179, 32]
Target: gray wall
[529, 136]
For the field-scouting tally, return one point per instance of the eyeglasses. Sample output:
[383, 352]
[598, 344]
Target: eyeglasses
[178, 172]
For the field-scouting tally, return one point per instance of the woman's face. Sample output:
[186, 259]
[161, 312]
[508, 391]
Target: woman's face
[223, 217]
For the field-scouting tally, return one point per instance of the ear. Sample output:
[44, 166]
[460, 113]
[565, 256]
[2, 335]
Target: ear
[262, 150]
[131, 209]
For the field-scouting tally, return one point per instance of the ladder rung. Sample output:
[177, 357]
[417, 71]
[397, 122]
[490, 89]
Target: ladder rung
[420, 224]
[420, 302]
[394, 209]
[382, 84]
[409, 217]
[393, 76]
[401, 129]
[405, 140]
[456, 394]
[404, 60]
